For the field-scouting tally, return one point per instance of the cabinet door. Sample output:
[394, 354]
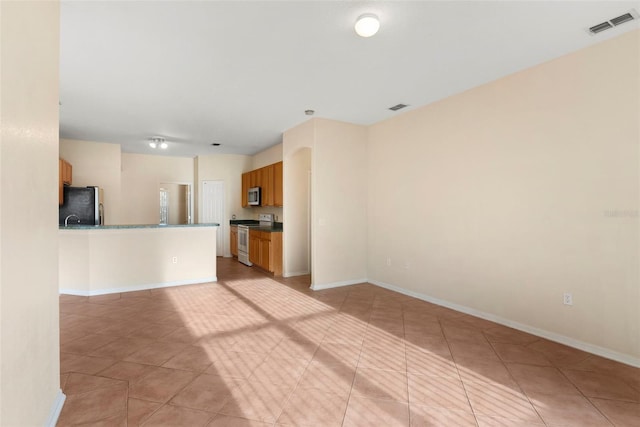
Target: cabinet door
[275, 254]
[255, 178]
[60, 181]
[266, 175]
[69, 173]
[277, 185]
[246, 183]
[233, 240]
[265, 253]
[254, 247]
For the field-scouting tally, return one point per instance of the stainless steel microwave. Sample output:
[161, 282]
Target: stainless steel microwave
[254, 196]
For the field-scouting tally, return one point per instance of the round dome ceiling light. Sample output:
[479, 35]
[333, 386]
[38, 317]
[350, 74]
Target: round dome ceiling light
[367, 25]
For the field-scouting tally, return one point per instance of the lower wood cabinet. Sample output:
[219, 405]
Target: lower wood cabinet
[233, 240]
[265, 250]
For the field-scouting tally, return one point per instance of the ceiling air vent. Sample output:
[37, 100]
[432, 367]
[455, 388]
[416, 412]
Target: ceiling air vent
[600, 27]
[397, 107]
[622, 19]
[614, 22]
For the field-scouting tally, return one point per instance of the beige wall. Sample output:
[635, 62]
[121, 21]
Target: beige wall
[504, 197]
[338, 201]
[267, 157]
[141, 178]
[29, 314]
[227, 168]
[296, 140]
[254, 212]
[97, 164]
[95, 262]
[178, 198]
[299, 224]
[130, 181]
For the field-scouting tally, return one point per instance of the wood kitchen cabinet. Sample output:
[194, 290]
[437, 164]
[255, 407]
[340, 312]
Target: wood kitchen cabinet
[233, 240]
[246, 184]
[269, 179]
[277, 185]
[65, 177]
[254, 178]
[254, 246]
[265, 250]
[266, 181]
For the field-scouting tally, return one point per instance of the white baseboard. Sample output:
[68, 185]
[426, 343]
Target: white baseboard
[552, 336]
[320, 287]
[296, 273]
[91, 293]
[56, 408]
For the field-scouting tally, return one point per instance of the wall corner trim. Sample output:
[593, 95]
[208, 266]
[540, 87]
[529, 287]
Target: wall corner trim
[296, 273]
[552, 336]
[84, 293]
[56, 409]
[320, 287]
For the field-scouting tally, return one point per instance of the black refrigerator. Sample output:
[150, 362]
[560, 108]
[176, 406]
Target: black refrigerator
[81, 206]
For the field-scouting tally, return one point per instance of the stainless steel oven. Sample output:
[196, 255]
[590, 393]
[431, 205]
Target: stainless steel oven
[243, 244]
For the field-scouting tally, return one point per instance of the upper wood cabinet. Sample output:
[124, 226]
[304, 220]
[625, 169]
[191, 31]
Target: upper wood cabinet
[269, 179]
[277, 185]
[246, 184]
[65, 177]
[67, 172]
[266, 176]
[254, 177]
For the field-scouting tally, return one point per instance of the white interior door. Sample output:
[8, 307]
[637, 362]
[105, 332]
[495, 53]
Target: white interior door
[212, 210]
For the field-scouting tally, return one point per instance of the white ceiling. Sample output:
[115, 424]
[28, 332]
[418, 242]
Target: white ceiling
[240, 73]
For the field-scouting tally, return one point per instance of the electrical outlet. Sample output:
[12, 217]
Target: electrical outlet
[406, 265]
[388, 261]
[174, 259]
[567, 298]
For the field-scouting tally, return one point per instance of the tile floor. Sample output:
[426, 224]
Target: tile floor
[253, 351]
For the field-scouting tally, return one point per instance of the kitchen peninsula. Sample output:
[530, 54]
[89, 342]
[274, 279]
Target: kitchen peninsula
[96, 260]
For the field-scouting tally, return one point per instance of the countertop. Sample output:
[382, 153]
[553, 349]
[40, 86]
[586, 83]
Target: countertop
[276, 228]
[267, 229]
[115, 227]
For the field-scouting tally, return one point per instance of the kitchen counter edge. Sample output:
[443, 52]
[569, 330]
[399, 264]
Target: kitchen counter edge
[129, 226]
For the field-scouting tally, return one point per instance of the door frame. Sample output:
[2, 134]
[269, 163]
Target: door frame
[190, 215]
[223, 227]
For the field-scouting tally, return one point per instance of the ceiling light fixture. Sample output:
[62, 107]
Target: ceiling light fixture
[158, 141]
[367, 25]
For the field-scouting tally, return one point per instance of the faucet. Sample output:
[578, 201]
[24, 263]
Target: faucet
[69, 216]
